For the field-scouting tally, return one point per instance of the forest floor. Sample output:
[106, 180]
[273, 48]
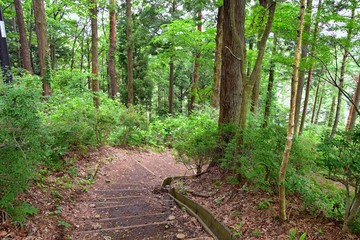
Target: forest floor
[253, 214]
[125, 201]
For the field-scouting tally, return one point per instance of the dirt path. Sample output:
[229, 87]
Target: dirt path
[126, 201]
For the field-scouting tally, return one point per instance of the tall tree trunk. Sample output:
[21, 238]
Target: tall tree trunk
[194, 84]
[339, 97]
[88, 48]
[269, 94]
[353, 114]
[319, 107]
[43, 48]
[112, 50]
[217, 62]
[342, 74]
[18, 49]
[53, 54]
[308, 83]
[130, 85]
[315, 103]
[232, 69]
[94, 53]
[290, 131]
[332, 111]
[24, 46]
[171, 86]
[171, 67]
[304, 53]
[256, 72]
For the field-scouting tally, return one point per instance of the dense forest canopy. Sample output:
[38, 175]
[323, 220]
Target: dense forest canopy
[229, 83]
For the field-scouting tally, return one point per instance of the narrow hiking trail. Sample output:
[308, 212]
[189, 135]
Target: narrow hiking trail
[126, 200]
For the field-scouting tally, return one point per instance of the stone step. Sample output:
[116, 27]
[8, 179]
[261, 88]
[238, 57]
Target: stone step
[105, 202]
[128, 210]
[125, 221]
[156, 230]
[119, 192]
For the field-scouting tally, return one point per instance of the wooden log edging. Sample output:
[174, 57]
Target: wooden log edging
[215, 228]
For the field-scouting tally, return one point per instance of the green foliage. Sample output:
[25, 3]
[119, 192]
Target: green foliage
[130, 129]
[21, 149]
[293, 235]
[194, 137]
[264, 204]
[341, 157]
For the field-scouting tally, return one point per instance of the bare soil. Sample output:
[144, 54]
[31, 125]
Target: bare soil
[253, 214]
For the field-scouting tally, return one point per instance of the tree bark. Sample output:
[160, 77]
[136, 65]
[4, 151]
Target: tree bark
[194, 84]
[217, 62]
[308, 84]
[269, 94]
[315, 103]
[24, 46]
[304, 54]
[94, 53]
[332, 111]
[130, 85]
[112, 50]
[43, 48]
[232, 68]
[256, 72]
[290, 131]
[353, 114]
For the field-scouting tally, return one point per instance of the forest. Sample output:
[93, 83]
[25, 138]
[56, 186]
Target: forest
[260, 97]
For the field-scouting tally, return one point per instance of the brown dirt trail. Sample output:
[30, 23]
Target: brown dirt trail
[126, 200]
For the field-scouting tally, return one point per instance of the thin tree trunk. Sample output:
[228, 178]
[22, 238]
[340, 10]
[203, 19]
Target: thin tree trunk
[217, 62]
[308, 84]
[112, 50]
[130, 85]
[53, 55]
[40, 27]
[353, 114]
[196, 68]
[339, 97]
[332, 111]
[342, 74]
[269, 94]
[94, 53]
[171, 68]
[18, 49]
[290, 132]
[256, 72]
[315, 103]
[304, 53]
[24, 46]
[88, 47]
[319, 107]
[171, 86]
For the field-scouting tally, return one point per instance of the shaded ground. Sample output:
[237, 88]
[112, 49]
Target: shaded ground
[252, 214]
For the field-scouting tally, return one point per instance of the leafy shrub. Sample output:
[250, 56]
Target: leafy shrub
[194, 137]
[129, 128]
[196, 140]
[21, 149]
[341, 157]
